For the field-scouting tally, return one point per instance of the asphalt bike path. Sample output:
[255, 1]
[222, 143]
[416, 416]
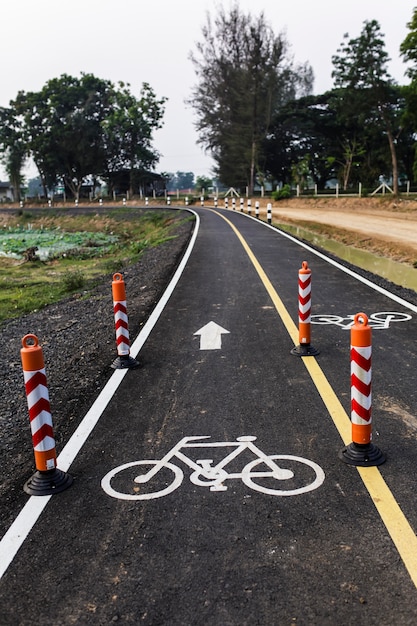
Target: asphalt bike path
[278, 532]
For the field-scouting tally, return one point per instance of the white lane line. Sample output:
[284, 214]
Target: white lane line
[24, 522]
[365, 281]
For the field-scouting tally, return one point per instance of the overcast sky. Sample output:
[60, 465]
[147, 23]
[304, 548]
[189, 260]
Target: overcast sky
[140, 41]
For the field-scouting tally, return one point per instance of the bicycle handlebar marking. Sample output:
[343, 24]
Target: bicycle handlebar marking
[305, 475]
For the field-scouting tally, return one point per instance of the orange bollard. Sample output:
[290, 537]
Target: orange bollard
[124, 359]
[304, 313]
[361, 451]
[48, 479]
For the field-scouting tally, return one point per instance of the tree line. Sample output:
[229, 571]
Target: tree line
[255, 110]
[258, 117]
[81, 128]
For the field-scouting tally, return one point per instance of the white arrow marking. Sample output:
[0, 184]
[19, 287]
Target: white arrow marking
[211, 336]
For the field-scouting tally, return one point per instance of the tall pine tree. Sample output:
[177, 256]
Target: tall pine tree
[244, 74]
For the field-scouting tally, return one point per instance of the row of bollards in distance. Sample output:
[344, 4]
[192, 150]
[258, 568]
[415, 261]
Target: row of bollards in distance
[48, 479]
[241, 202]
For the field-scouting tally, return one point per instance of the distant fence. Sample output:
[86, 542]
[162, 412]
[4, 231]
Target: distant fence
[360, 191]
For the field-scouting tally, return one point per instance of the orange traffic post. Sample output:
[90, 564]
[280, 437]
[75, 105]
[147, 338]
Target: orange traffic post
[123, 360]
[304, 313]
[48, 479]
[361, 451]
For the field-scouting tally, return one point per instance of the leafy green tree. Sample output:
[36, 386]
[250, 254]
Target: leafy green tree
[34, 118]
[408, 51]
[203, 182]
[369, 94]
[13, 149]
[180, 180]
[302, 135]
[82, 128]
[321, 132]
[408, 48]
[62, 128]
[244, 75]
[128, 129]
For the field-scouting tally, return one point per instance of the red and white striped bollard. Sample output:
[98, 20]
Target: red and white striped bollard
[121, 321]
[48, 479]
[361, 451]
[304, 313]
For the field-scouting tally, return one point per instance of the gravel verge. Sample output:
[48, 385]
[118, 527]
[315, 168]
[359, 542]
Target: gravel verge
[77, 336]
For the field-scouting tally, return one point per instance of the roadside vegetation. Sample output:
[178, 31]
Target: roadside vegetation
[113, 241]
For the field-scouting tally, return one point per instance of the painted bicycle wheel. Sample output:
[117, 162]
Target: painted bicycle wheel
[125, 483]
[304, 475]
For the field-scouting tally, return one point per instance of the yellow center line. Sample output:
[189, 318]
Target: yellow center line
[389, 510]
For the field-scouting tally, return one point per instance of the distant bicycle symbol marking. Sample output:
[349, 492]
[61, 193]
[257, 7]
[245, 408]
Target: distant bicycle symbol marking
[305, 475]
[380, 320]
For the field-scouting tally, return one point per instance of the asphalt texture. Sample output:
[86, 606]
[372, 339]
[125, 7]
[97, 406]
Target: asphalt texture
[214, 551]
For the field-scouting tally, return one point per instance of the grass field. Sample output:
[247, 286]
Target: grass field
[112, 241]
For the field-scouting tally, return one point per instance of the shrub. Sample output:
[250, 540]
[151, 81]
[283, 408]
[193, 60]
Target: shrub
[73, 280]
[280, 194]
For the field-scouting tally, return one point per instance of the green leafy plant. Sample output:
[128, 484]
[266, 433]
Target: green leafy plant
[73, 280]
[281, 194]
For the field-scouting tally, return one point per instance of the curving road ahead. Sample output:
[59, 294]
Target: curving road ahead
[248, 516]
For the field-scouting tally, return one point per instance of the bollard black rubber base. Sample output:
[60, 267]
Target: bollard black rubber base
[362, 455]
[305, 350]
[125, 361]
[48, 483]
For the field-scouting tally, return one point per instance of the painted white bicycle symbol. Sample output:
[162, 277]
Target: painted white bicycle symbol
[380, 320]
[301, 475]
